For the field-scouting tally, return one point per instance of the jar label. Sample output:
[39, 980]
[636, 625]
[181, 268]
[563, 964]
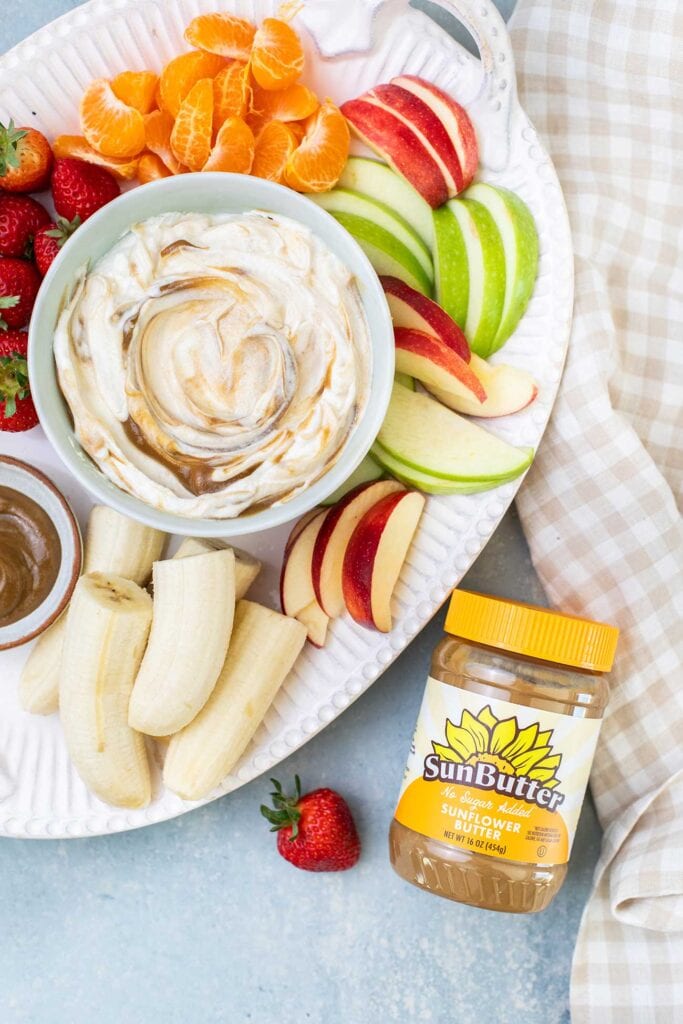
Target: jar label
[490, 776]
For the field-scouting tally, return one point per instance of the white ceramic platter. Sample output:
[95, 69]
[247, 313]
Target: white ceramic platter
[41, 82]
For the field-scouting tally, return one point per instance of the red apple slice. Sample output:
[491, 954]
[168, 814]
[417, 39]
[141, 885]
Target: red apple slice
[334, 534]
[455, 120]
[399, 146]
[428, 127]
[315, 621]
[507, 390]
[410, 308]
[300, 524]
[434, 364]
[296, 580]
[375, 555]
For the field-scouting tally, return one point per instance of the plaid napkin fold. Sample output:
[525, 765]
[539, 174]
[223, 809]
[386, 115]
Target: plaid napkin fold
[602, 80]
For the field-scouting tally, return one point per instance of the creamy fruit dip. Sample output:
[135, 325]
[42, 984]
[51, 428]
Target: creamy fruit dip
[214, 365]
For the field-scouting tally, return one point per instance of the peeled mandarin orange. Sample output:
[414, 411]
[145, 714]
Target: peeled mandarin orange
[193, 128]
[315, 165]
[277, 57]
[110, 126]
[293, 103]
[234, 148]
[136, 89]
[221, 33]
[319, 158]
[182, 73]
[274, 146]
[231, 93]
[75, 147]
[158, 128]
[151, 167]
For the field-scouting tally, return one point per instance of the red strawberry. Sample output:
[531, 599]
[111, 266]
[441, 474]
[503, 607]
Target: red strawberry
[315, 832]
[17, 411]
[79, 189]
[49, 240]
[25, 159]
[19, 284]
[20, 218]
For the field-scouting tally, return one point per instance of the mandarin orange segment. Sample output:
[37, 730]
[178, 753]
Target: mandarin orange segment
[274, 146]
[75, 147]
[231, 93]
[136, 89]
[110, 126]
[234, 148]
[277, 57]
[291, 104]
[182, 73]
[315, 165]
[151, 167]
[223, 34]
[158, 128]
[193, 128]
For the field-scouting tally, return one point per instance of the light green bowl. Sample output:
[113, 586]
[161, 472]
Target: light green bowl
[210, 193]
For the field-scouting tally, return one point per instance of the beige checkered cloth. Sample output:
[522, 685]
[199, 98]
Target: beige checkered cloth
[602, 80]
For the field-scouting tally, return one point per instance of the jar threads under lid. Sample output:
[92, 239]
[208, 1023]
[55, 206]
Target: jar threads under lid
[531, 631]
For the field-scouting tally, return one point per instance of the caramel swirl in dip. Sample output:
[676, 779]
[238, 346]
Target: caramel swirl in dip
[215, 365]
[30, 555]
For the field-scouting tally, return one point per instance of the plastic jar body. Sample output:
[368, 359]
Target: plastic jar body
[496, 882]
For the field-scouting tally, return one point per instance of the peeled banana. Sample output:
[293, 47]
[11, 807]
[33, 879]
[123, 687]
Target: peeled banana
[194, 604]
[247, 567]
[114, 544]
[104, 639]
[263, 649]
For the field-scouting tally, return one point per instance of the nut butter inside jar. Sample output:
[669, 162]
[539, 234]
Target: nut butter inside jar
[501, 754]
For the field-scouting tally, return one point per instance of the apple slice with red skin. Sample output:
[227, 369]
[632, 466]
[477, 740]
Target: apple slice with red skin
[333, 536]
[315, 621]
[399, 146]
[507, 390]
[428, 127]
[454, 118]
[434, 364]
[296, 580]
[375, 555]
[410, 308]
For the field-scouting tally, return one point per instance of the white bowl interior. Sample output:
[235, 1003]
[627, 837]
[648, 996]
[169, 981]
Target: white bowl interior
[20, 479]
[209, 193]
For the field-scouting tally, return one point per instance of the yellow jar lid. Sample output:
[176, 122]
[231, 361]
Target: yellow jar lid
[532, 631]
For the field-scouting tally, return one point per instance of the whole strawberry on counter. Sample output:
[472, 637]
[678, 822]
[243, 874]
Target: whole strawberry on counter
[79, 189]
[20, 218]
[49, 240]
[19, 284]
[25, 159]
[315, 832]
[17, 411]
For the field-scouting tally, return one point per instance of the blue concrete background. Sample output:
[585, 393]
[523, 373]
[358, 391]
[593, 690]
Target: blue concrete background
[199, 921]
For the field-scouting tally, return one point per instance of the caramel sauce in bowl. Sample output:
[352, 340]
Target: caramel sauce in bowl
[40, 552]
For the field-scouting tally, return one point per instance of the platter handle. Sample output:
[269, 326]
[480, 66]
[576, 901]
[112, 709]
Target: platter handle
[366, 20]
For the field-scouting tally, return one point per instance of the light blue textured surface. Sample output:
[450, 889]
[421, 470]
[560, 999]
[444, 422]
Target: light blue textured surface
[199, 921]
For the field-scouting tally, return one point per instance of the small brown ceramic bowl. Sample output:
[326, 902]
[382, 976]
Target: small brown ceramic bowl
[27, 480]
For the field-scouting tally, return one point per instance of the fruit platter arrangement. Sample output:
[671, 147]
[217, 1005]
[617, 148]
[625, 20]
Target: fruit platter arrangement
[213, 368]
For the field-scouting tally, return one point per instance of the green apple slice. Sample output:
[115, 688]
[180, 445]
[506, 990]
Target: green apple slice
[451, 269]
[486, 261]
[426, 482]
[424, 434]
[377, 180]
[385, 252]
[405, 380]
[520, 244]
[365, 473]
[344, 200]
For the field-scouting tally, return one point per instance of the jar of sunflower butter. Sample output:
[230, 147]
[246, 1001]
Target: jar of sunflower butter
[501, 754]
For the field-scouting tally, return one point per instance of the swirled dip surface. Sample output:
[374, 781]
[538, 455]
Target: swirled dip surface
[214, 365]
[30, 555]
